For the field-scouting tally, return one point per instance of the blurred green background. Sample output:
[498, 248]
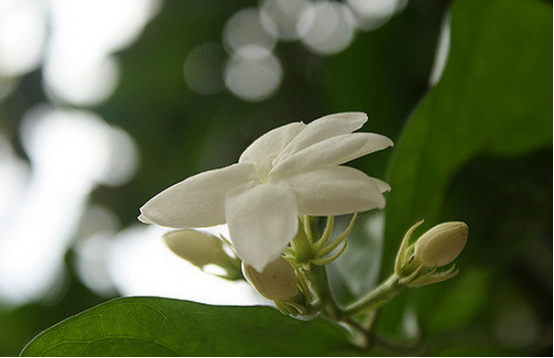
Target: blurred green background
[476, 146]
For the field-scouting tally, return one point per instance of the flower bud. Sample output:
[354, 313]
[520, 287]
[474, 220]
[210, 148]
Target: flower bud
[201, 249]
[442, 244]
[417, 263]
[277, 282]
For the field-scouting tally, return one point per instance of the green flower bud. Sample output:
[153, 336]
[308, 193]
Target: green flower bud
[417, 263]
[442, 244]
[201, 250]
[277, 282]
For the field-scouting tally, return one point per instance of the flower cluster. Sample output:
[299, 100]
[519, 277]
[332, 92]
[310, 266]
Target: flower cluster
[292, 170]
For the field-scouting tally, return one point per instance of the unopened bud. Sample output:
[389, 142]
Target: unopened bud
[277, 282]
[417, 263]
[442, 244]
[201, 249]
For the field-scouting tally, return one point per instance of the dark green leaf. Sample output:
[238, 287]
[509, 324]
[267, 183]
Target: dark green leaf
[165, 327]
[494, 98]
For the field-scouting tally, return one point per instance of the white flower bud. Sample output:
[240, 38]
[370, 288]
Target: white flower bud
[198, 248]
[277, 282]
[442, 244]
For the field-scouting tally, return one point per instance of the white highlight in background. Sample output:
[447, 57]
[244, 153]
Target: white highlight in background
[244, 31]
[327, 27]
[71, 152]
[280, 17]
[253, 79]
[78, 68]
[141, 265]
[22, 36]
[202, 69]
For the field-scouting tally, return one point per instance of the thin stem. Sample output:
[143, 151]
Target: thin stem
[376, 298]
[320, 284]
[317, 276]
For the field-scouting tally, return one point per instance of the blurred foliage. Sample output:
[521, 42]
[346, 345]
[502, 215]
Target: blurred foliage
[477, 148]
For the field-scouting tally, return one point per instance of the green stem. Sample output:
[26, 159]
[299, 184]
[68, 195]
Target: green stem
[376, 298]
[317, 276]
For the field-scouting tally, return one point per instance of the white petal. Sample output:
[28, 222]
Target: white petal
[270, 144]
[324, 128]
[333, 151]
[262, 221]
[336, 191]
[383, 187]
[197, 201]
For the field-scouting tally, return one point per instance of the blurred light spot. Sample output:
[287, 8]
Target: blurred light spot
[280, 17]
[78, 67]
[371, 14]
[98, 226]
[70, 153]
[101, 26]
[140, 264]
[83, 81]
[327, 27]
[22, 36]
[14, 177]
[253, 79]
[410, 324]
[202, 69]
[123, 160]
[244, 32]
[517, 326]
[57, 140]
[441, 56]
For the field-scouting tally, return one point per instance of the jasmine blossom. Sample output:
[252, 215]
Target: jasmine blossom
[290, 171]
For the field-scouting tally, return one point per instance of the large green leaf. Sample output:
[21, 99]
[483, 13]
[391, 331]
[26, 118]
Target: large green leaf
[148, 326]
[494, 99]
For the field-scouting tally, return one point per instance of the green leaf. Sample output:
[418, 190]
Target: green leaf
[494, 98]
[148, 326]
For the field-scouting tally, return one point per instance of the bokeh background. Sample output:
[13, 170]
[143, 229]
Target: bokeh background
[104, 103]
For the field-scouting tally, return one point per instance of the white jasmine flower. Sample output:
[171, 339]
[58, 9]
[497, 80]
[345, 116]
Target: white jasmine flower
[292, 170]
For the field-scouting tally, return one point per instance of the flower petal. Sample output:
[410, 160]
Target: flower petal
[270, 144]
[333, 151]
[262, 221]
[336, 191]
[197, 201]
[324, 128]
[383, 187]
